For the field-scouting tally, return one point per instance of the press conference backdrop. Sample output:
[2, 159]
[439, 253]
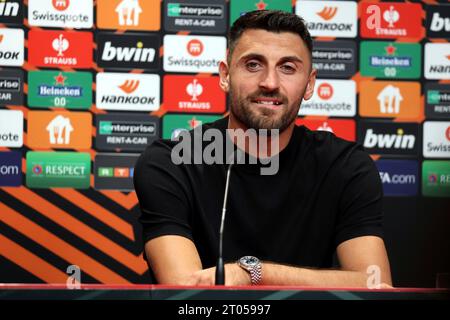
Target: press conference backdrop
[85, 85]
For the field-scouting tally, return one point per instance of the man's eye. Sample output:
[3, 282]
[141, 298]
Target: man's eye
[288, 68]
[252, 65]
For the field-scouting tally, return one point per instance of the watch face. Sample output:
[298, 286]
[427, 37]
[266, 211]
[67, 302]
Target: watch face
[249, 261]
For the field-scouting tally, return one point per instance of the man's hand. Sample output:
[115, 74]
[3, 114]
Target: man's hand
[234, 276]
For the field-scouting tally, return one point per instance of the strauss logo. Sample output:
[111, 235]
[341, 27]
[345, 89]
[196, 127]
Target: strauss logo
[60, 45]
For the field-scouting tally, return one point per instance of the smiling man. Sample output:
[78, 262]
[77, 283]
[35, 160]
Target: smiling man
[281, 229]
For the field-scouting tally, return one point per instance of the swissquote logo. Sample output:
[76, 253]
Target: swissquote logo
[61, 13]
[200, 94]
[60, 48]
[389, 137]
[11, 47]
[11, 128]
[438, 21]
[437, 61]
[126, 91]
[11, 11]
[390, 20]
[329, 18]
[129, 51]
[331, 98]
[193, 53]
[436, 139]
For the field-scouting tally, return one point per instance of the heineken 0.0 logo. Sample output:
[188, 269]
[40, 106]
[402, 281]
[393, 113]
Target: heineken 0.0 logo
[70, 90]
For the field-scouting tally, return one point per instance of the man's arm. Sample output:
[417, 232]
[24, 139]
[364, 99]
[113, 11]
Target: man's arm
[355, 256]
[173, 259]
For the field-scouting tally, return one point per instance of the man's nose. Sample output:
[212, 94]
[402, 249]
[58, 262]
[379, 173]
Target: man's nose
[270, 80]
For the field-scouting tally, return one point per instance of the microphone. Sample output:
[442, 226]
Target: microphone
[220, 268]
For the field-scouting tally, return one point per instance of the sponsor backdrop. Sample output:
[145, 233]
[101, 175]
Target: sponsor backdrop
[85, 85]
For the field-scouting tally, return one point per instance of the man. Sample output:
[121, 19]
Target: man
[325, 198]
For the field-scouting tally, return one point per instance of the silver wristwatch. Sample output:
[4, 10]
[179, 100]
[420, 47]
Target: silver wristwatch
[253, 266]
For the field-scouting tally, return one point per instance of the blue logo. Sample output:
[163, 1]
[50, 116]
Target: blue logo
[10, 169]
[399, 177]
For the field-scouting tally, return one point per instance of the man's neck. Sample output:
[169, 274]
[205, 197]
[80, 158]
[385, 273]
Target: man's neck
[283, 138]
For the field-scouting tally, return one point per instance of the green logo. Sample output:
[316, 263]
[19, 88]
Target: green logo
[70, 90]
[174, 123]
[383, 59]
[436, 178]
[434, 97]
[58, 169]
[173, 9]
[107, 172]
[106, 127]
[239, 8]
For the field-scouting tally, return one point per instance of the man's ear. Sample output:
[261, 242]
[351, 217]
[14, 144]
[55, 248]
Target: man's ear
[310, 86]
[224, 76]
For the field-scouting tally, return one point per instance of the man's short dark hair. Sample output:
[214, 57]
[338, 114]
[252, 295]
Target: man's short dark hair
[269, 20]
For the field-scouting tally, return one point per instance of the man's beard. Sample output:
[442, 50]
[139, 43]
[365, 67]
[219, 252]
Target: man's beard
[264, 118]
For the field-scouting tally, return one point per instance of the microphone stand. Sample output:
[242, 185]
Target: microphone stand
[220, 268]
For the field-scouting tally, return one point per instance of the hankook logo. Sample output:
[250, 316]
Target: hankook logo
[329, 18]
[126, 91]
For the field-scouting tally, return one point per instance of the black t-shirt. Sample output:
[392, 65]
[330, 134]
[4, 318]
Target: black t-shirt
[326, 191]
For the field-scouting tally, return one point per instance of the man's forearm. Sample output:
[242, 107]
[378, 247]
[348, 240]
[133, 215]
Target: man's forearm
[277, 274]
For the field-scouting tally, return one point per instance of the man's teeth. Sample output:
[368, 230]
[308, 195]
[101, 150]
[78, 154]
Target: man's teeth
[269, 102]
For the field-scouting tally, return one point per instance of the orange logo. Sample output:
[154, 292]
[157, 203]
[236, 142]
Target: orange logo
[327, 13]
[129, 14]
[325, 91]
[60, 5]
[389, 99]
[129, 86]
[59, 130]
[195, 47]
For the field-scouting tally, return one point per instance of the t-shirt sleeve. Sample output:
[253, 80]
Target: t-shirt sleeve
[360, 206]
[163, 192]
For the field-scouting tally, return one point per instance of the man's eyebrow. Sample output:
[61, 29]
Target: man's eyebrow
[291, 59]
[261, 57]
[256, 56]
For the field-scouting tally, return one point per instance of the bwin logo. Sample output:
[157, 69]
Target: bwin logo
[389, 141]
[439, 24]
[138, 54]
[9, 9]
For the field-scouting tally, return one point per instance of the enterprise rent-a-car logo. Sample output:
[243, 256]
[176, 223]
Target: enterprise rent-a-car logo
[129, 132]
[193, 53]
[208, 16]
